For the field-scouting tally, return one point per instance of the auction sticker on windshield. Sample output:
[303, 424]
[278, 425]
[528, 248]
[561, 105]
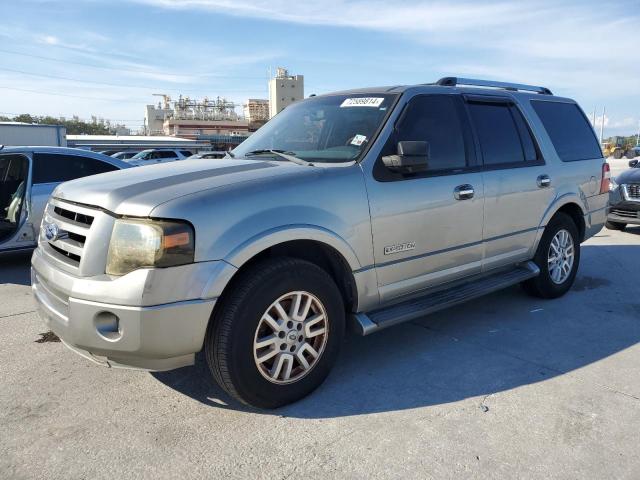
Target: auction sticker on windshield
[358, 140]
[362, 102]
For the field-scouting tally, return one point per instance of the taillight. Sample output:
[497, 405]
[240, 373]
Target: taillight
[606, 178]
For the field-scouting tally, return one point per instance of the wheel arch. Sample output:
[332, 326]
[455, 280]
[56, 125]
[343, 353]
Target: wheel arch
[319, 247]
[569, 204]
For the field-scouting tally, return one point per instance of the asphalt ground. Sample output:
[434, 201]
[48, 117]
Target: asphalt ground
[507, 386]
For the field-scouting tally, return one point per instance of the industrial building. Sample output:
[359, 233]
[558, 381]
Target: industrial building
[284, 89]
[256, 113]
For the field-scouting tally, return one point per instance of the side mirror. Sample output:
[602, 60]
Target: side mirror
[633, 163]
[412, 157]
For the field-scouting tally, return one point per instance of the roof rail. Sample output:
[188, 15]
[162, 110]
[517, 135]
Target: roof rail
[453, 81]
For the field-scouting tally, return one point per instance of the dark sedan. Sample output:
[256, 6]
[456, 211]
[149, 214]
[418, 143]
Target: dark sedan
[624, 198]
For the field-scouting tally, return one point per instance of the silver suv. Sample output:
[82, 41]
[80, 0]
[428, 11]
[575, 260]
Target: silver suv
[370, 207]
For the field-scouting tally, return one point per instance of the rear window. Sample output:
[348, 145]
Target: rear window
[54, 168]
[569, 130]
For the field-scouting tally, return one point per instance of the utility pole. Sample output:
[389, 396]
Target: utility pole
[593, 122]
[638, 136]
[604, 109]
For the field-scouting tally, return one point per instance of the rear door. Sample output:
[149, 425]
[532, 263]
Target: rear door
[518, 184]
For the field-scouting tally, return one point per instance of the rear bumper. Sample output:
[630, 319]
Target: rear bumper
[595, 219]
[155, 337]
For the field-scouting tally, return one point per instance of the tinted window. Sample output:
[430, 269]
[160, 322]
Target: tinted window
[165, 154]
[186, 153]
[435, 119]
[569, 130]
[497, 132]
[48, 168]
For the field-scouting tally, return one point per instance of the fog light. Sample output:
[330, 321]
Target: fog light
[108, 325]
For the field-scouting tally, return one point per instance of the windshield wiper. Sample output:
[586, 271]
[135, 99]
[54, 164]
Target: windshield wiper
[282, 154]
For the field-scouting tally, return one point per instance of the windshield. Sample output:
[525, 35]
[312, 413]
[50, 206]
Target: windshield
[334, 128]
[143, 155]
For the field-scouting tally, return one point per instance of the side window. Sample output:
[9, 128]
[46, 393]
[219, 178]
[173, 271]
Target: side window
[435, 119]
[186, 153]
[54, 168]
[503, 134]
[569, 130]
[166, 154]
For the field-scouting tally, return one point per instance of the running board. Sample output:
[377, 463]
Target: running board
[459, 292]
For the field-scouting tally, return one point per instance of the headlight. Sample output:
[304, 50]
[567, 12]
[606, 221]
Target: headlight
[612, 184]
[149, 243]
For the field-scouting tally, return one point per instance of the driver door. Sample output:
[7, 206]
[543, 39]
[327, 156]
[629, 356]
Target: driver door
[15, 191]
[425, 232]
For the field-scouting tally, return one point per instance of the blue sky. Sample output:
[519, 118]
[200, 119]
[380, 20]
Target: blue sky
[107, 57]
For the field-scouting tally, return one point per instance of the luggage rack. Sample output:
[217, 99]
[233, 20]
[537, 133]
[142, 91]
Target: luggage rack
[514, 87]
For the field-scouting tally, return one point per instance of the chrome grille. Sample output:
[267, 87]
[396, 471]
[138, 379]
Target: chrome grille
[633, 189]
[73, 223]
[74, 216]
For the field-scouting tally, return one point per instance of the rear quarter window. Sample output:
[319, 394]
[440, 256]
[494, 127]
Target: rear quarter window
[569, 130]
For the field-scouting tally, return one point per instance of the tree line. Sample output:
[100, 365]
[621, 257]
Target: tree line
[73, 126]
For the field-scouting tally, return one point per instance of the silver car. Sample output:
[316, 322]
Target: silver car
[157, 155]
[367, 207]
[28, 175]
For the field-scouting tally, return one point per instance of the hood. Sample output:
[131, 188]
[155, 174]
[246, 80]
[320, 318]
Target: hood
[137, 191]
[631, 175]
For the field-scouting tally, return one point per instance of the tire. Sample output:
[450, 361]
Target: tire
[617, 154]
[615, 225]
[544, 285]
[631, 154]
[239, 326]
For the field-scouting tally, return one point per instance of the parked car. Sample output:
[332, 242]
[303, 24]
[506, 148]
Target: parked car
[208, 155]
[624, 198]
[158, 155]
[28, 175]
[124, 155]
[373, 206]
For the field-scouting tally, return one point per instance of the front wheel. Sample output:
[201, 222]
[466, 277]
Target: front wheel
[277, 333]
[558, 256]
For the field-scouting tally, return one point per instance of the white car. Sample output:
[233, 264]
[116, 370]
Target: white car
[28, 175]
[158, 155]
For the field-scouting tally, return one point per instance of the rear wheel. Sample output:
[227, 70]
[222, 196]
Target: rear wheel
[277, 334]
[615, 225]
[558, 256]
[631, 154]
[617, 154]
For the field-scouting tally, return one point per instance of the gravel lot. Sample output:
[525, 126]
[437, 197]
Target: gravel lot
[507, 386]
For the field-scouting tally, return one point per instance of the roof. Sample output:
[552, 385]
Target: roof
[24, 124]
[129, 138]
[67, 151]
[454, 84]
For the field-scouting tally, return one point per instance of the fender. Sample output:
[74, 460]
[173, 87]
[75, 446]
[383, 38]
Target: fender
[285, 233]
[557, 204]
[244, 252]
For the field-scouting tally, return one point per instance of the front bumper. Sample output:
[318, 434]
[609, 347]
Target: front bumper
[622, 208]
[151, 337]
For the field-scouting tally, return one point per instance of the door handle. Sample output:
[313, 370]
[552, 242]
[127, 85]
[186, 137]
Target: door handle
[543, 181]
[463, 192]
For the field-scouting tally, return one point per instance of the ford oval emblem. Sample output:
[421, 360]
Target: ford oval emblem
[51, 231]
